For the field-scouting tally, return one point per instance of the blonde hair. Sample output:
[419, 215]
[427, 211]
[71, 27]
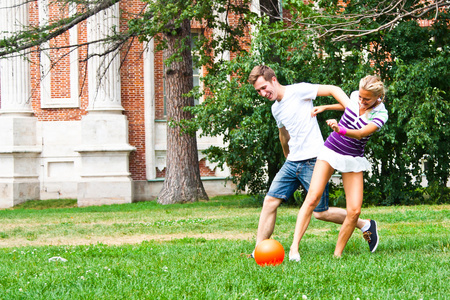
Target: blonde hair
[258, 71]
[373, 84]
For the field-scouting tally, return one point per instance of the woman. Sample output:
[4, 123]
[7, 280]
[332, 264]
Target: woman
[344, 151]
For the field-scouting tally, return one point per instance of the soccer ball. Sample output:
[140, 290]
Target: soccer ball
[269, 252]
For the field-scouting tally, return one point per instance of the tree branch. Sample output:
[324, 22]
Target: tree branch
[17, 47]
[393, 9]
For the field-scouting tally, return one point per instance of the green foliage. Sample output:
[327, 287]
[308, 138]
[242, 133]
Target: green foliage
[218, 34]
[335, 192]
[336, 195]
[418, 103]
[412, 61]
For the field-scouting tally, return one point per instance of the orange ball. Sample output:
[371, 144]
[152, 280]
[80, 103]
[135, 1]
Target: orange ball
[269, 252]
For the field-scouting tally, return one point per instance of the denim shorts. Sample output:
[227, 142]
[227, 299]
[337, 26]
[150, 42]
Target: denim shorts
[291, 176]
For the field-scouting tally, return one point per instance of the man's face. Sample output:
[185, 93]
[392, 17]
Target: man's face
[266, 88]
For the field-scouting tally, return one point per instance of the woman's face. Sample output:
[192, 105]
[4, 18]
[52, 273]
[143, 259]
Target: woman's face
[367, 99]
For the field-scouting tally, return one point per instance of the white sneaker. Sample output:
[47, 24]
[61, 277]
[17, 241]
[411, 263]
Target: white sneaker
[295, 257]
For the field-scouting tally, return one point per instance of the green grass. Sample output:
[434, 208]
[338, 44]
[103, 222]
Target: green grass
[195, 251]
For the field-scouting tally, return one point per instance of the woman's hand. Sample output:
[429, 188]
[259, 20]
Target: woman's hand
[317, 110]
[333, 124]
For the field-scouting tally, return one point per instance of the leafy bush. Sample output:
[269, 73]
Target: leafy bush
[411, 60]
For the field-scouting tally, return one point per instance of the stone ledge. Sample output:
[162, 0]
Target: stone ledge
[105, 148]
[20, 149]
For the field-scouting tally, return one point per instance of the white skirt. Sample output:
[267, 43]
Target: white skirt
[343, 163]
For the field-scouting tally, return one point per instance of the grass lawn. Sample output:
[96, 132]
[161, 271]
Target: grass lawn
[196, 251]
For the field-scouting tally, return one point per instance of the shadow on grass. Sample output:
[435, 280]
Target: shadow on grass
[47, 204]
[224, 201]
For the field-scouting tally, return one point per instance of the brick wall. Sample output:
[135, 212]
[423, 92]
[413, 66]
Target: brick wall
[60, 82]
[132, 80]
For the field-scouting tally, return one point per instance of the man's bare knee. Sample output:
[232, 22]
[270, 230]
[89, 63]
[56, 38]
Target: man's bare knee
[271, 203]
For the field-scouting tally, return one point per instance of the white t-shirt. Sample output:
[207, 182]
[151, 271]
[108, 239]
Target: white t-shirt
[294, 113]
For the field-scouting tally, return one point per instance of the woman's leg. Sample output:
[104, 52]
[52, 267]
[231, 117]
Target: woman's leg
[322, 173]
[353, 187]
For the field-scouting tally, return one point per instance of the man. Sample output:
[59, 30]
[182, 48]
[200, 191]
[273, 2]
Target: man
[300, 139]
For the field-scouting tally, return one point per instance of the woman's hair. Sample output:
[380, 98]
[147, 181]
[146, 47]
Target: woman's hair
[260, 70]
[373, 84]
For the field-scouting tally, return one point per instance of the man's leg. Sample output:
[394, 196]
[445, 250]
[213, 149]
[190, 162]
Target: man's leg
[267, 218]
[283, 186]
[336, 215]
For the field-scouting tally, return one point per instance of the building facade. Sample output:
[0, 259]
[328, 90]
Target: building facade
[91, 129]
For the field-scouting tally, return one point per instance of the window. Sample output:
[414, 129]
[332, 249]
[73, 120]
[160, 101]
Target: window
[59, 84]
[196, 71]
[272, 8]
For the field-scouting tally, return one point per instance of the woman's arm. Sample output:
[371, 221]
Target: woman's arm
[353, 133]
[318, 109]
[336, 92]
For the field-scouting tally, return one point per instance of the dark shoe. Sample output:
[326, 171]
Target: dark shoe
[371, 236]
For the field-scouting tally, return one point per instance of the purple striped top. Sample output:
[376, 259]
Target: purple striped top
[351, 120]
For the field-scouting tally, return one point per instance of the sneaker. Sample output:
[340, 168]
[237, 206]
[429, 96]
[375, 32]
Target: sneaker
[294, 257]
[371, 236]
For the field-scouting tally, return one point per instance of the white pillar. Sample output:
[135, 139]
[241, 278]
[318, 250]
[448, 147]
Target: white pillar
[105, 176]
[149, 100]
[19, 179]
[103, 70]
[15, 69]
[225, 55]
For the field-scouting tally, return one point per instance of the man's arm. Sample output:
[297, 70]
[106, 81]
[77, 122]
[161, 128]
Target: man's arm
[284, 139]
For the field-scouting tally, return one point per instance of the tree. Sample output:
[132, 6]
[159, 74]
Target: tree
[182, 182]
[182, 173]
[167, 21]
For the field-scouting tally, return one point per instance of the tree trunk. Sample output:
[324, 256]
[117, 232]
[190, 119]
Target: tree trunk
[182, 182]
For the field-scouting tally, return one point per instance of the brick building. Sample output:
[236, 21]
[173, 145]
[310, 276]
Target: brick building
[67, 132]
